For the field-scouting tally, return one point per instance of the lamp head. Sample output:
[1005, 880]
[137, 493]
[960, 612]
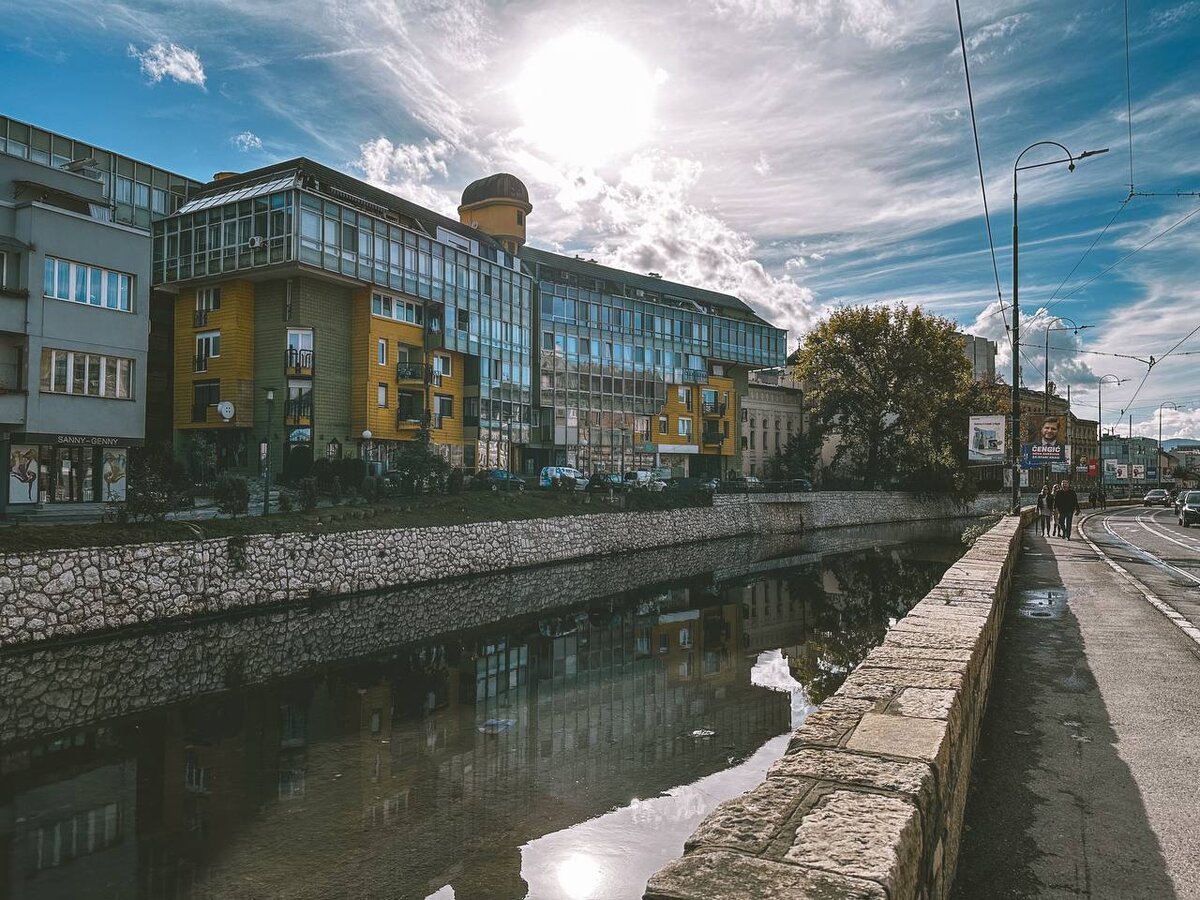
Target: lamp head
[1071, 166]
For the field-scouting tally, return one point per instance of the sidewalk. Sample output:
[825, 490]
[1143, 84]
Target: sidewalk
[1087, 777]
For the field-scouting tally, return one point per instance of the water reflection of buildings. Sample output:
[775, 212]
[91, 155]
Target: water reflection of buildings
[393, 776]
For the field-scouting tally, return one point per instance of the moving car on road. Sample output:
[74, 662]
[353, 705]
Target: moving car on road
[1189, 509]
[1157, 497]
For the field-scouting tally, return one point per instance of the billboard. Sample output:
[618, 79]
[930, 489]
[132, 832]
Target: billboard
[1044, 441]
[1139, 472]
[1152, 473]
[1110, 468]
[985, 439]
[1122, 471]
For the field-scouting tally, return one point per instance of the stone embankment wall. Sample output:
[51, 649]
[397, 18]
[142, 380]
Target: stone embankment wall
[868, 801]
[62, 593]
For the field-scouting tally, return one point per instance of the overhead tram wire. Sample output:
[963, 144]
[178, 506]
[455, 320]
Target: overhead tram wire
[987, 216]
[1120, 209]
[1154, 362]
[1128, 101]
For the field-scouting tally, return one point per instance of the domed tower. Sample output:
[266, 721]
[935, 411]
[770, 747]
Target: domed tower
[497, 205]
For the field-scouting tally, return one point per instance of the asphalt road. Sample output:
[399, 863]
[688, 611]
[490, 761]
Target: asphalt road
[1156, 550]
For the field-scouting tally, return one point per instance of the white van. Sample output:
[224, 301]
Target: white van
[549, 473]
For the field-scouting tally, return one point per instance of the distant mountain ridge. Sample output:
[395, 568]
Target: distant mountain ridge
[1176, 443]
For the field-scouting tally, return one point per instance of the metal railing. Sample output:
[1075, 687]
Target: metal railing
[200, 364]
[712, 437]
[410, 416]
[713, 408]
[410, 371]
[298, 362]
[200, 317]
[299, 409]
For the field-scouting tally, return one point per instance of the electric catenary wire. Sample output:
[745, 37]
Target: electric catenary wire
[987, 216]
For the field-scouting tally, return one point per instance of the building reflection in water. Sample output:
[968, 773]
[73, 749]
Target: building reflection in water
[422, 767]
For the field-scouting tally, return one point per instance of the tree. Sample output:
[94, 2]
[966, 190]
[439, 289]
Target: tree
[418, 465]
[895, 386]
[798, 456]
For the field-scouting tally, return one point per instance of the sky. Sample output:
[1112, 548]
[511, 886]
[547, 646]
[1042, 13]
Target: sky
[801, 154]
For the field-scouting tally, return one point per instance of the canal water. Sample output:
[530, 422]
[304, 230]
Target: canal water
[562, 754]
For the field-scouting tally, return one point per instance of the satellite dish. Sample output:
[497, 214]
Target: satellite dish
[226, 409]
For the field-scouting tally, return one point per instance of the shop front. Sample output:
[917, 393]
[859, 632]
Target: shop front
[59, 469]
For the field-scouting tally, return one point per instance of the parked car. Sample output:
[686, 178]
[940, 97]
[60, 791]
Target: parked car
[638, 478]
[607, 481]
[742, 484]
[1189, 510]
[800, 484]
[498, 480]
[708, 486]
[549, 473]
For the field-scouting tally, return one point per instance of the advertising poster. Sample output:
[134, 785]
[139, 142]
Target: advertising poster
[1008, 478]
[113, 470]
[1093, 467]
[1152, 473]
[1044, 441]
[1122, 470]
[985, 439]
[1139, 472]
[22, 474]
[1110, 468]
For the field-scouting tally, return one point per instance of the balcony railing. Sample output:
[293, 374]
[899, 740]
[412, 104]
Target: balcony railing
[298, 362]
[200, 364]
[410, 417]
[713, 437]
[298, 411]
[713, 408]
[200, 317]
[696, 375]
[410, 371]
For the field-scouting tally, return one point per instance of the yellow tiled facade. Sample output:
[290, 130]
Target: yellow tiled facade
[233, 320]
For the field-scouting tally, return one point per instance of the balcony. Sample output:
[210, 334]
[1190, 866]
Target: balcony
[12, 395]
[714, 408]
[298, 362]
[298, 410]
[411, 372]
[410, 417]
[699, 376]
[200, 363]
[712, 438]
[200, 318]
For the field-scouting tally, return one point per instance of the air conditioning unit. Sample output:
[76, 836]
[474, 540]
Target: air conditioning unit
[256, 243]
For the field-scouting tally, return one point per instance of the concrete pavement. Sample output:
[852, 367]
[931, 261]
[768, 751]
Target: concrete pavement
[1086, 781]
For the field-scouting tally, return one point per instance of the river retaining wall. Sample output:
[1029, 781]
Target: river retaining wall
[65, 593]
[868, 801]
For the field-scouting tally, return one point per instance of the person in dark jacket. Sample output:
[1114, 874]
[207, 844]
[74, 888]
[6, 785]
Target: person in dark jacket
[1066, 502]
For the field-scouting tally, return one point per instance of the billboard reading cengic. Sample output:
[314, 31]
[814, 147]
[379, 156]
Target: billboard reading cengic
[985, 440]
[1044, 441]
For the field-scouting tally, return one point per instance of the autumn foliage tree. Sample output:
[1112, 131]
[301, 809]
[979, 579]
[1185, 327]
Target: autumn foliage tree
[893, 385]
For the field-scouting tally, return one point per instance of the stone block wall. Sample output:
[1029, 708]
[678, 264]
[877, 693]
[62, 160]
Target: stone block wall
[868, 801]
[64, 593]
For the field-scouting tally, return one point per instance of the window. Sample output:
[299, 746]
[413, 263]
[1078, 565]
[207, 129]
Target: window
[397, 308]
[443, 406]
[88, 285]
[441, 364]
[685, 427]
[752, 440]
[547, 340]
[86, 374]
[663, 425]
[208, 299]
[685, 396]
[381, 352]
[208, 344]
[381, 396]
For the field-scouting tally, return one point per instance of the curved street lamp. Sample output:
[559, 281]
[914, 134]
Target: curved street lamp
[1158, 462]
[1016, 325]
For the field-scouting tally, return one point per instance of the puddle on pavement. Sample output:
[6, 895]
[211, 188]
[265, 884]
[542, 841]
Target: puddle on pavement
[1041, 603]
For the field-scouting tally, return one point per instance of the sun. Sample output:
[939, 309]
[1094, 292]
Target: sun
[584, 98]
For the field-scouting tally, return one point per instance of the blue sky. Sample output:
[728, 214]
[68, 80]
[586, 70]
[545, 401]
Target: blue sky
[799, 153]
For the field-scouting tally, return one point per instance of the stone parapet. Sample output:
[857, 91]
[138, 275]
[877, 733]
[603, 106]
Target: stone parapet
[868, 800]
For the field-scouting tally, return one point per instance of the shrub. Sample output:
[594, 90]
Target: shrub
[454, 484]
[308, 494]
[285, 502]
[335, 490]
[322, 472]
[232, 494]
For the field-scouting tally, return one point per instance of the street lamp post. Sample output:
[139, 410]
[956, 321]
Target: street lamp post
[267, 461]
[1158, 462]
[1016, 323]
[1100, 421]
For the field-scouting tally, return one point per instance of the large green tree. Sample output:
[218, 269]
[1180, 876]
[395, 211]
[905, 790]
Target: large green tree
[893, 385]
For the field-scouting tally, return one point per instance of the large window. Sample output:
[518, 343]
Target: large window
[208, 344]
[208, 299]
[685, 427]
[86, 374]
[90, 285]
[396, 308]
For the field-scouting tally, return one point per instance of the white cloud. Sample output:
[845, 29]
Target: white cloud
[164, 60]
[247, 141]
[408, 169]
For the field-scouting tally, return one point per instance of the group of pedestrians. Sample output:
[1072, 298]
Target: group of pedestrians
[1098, 499]
[1056, 506]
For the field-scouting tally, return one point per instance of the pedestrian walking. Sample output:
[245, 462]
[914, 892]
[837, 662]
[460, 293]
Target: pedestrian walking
[1091, 499]
[1045, 509]
[1066, 502]
[1103, 499]
[1055, 521]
